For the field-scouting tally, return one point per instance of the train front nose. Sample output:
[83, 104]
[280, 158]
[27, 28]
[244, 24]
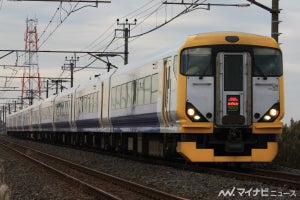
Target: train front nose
[233, 92]
[234, 143]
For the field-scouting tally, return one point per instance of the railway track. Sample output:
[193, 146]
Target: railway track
[276, 178]
[290, 180]
[97, 184]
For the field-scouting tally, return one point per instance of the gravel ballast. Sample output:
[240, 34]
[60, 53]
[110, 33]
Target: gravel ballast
[27, 181]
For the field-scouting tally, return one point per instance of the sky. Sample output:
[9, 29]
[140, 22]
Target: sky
[91, 28]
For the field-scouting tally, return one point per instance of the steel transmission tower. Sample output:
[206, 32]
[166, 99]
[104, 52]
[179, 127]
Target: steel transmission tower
[31, 85]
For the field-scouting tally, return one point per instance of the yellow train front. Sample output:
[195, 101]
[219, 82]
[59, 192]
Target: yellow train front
[229, 98]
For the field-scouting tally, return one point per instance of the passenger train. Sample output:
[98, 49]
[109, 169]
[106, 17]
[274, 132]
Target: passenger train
[217, 98]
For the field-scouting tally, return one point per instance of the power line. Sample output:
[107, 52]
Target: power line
[61, 22]
[74, 1]
[59, 51]
[131, 15]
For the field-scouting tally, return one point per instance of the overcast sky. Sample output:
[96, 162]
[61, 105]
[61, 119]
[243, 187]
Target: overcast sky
[92, 29]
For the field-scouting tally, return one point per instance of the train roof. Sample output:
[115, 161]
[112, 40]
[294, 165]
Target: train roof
[146, 60]
[223, 38]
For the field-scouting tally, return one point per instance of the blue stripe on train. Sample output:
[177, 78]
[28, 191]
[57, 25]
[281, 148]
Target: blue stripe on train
[88, 125]
[136, 123]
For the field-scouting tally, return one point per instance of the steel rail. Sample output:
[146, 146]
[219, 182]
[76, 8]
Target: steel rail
[72, 179]
[141, 189]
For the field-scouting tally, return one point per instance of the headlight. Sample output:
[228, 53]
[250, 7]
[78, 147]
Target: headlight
[271, 114]
[191, 111]
[267, 118]
[194, 114]
[197, 117]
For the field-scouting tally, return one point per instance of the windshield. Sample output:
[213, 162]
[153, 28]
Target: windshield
[196, 62]
[267, 62]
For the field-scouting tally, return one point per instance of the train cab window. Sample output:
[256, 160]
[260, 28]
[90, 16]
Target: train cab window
[267, 62]
[196, 62]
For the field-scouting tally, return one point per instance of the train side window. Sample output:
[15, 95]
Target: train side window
[123, 95]
[88, 103]
[78, 106]
[95, 102]
[85, 108]
[140, 91]
[129, 94]
[81, 104]
[62, 111]
[147, 89]
[134, 92]
[118, 97]
[154, 88]
[50, 112]
[65, 111]
[84, 104]
[67, 108]
[91, 103]
[113, 98]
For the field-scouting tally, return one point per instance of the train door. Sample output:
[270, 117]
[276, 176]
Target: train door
[100, 107]
[233, 94]
[166, 91]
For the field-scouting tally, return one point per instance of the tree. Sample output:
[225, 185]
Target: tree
[289, 145]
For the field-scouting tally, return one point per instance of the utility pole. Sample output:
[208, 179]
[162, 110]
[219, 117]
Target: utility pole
[126, 35]
[274, 11]
[275, 19]
[72, 64]
[58, 83]
[275, 16]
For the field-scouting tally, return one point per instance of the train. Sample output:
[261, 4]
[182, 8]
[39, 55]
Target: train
[218, 97]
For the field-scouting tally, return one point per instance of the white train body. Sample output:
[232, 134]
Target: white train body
[217, 98]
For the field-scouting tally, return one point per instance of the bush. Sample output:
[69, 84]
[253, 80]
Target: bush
[289, 145]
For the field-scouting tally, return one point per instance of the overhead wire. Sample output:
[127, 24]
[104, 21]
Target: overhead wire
[146, 15]
[144, 12]
[166, 22]
[68, 13]
[48, 25]
[188, 9]
[143, 9]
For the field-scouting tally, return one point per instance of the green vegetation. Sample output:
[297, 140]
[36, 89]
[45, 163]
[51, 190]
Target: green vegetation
[289, 145]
